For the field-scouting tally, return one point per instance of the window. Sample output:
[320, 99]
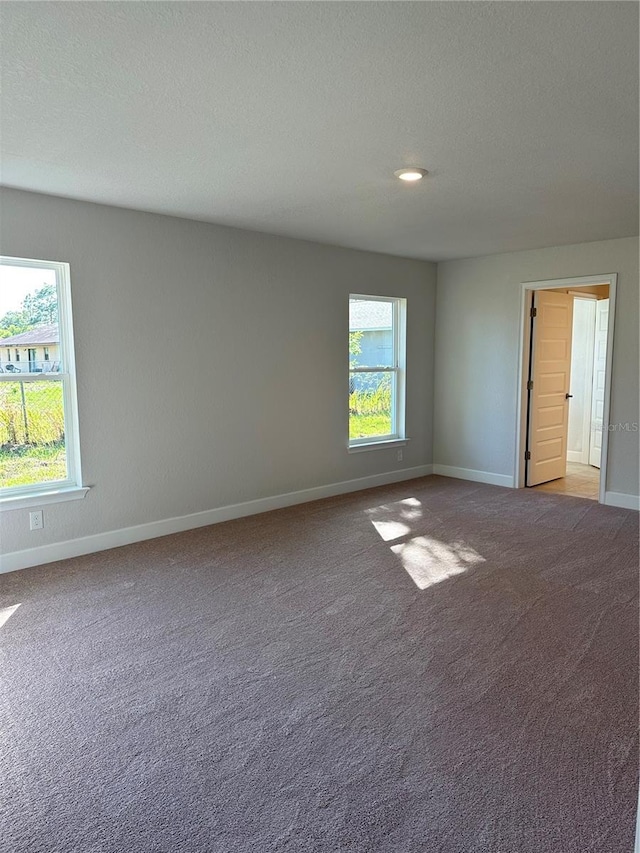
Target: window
[376, 369]
[39, 446]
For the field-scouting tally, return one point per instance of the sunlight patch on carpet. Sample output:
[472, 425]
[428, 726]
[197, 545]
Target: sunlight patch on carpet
[394, 520]
[429, 561]
[6, 613]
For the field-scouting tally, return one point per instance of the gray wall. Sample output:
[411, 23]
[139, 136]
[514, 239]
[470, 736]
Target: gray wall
[265, 319]
[477, 308]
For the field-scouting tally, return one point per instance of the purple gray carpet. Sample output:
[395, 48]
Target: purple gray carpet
[431, 666]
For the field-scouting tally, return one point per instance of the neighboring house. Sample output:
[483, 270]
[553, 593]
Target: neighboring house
[374, 321]
[35, 351]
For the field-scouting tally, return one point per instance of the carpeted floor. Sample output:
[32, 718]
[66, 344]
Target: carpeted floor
[431, 666]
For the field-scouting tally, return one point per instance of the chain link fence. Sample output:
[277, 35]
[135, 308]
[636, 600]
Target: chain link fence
[32, 446]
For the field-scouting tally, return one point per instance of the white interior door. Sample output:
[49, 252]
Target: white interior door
[550, 372]
[584, 329]
[599, 373]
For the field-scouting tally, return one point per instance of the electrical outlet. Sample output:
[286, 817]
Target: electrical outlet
[36, 520]
[399, 456]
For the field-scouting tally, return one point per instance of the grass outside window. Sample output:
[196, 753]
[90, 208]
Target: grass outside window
[32, 440]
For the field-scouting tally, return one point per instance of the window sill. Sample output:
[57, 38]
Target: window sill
[75, 493]
[377, 445]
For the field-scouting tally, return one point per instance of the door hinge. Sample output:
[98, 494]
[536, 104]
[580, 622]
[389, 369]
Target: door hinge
[534, 312]
[530, 385]
[527, 455]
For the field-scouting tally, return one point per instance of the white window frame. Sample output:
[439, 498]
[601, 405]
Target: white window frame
[70, 488]
[397, 436]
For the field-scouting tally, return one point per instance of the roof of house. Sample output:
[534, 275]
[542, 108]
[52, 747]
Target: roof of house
[365, 315]
[40, 335]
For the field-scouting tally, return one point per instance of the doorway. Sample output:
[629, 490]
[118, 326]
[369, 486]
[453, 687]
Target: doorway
[566, 344]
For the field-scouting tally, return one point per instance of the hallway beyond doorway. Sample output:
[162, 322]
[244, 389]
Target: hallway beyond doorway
[582, 481]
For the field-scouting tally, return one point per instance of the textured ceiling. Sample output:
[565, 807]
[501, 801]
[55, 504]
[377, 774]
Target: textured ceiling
[291, 117]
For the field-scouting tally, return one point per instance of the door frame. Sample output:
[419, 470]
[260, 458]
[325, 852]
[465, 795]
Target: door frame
[526, 299]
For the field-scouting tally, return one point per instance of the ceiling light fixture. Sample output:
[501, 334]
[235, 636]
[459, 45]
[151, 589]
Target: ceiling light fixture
[410, 174]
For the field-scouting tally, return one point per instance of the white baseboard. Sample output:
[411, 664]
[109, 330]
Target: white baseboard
[577, 456]
[127, 535]
[474, 476]
[621, 500]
